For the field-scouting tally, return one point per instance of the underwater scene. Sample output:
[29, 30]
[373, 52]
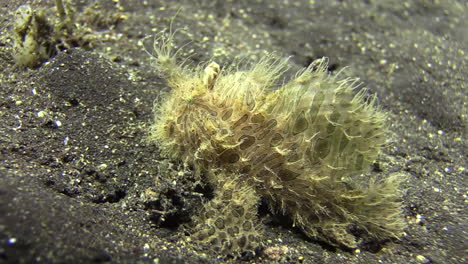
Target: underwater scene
[233, 131]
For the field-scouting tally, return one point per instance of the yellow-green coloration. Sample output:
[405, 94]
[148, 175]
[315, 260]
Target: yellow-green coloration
[32, 37]
[229, 222]
[38, 36]
[302, 146]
